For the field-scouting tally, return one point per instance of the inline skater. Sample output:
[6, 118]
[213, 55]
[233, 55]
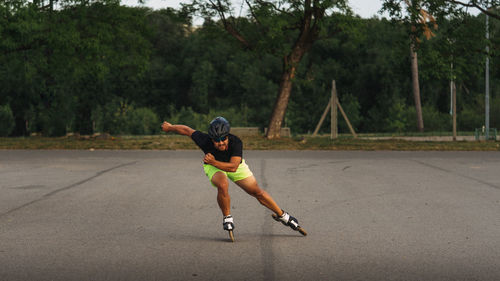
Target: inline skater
[223, 160]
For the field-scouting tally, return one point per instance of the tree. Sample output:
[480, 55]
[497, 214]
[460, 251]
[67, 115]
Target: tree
[418, 14]
[486, 7]
[57, 65]
[167, 77]
[443, 8]
[285, 28]
[417, 19]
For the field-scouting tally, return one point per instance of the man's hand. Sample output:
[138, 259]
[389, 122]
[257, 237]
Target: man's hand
[178, 129]
[166, 127]
[209, 159]
[231, 166]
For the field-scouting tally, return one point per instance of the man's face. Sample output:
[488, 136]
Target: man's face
[221, 145]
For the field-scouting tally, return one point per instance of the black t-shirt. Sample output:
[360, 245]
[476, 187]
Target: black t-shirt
[235, 147]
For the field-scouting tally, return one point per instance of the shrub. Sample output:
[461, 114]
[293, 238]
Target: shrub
[352, 109]
[142, 121]
[111, 118]
[396, 121]
[6, 120]
[199, 121]
[436, 121]
[433, 119]
[119, 117]
[495, 113]
[469, 119]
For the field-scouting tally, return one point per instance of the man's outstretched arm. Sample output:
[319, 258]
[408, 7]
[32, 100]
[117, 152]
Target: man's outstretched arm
[178, 129]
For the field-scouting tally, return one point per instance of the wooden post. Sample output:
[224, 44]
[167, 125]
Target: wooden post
[346, 119]
[333, 111]
[322, 119]
[333, 101]
[454, 101]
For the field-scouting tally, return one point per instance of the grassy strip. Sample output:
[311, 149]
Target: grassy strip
[173, 142]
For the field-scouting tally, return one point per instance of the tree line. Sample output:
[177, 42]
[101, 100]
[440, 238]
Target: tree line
[97, 66]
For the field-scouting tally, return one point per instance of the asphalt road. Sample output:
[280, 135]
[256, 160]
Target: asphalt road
[152, 215]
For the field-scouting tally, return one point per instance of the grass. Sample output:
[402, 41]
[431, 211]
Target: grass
[174, 142]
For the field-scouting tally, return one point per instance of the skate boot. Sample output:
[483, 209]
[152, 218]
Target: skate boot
[228, 225]
[227, 222]
[290, 221]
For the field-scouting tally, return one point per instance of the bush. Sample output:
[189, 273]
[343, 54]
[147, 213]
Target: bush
[495, 113]
[469, 119]
[52, 122]
[390, 118]
[199, 121]
[6, 120]
[352, 109]
[143, 121]
[411, 119]
[111, 118]
[396, 121]
[436, 121]
[120, 118]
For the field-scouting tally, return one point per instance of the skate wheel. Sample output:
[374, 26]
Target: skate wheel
[231, 235]
[299, 229]
[302, 231]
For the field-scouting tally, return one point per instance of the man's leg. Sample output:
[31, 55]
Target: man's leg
[250, 186]
[220, 181]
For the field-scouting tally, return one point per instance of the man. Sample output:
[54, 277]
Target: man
[224, 159]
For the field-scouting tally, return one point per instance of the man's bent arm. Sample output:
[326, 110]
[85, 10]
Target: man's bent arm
[178, 129]
[230, 166]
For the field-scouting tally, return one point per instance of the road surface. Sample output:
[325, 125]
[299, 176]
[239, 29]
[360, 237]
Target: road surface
[152, 215]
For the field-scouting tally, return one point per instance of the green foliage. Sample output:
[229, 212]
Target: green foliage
[436, 121]
[52, 123]
[121, 118]
[6, 120]
[396, 120]
[495, 113]
[64, 63]
[471, 115]
[143, 121]
[112, 117]
[96, 66]
[352, 108]
[203, 86]
[470, 119]
[199, 121]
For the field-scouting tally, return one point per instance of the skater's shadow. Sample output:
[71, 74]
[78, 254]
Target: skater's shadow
[241, 237]
[197, 238]
[271, 235]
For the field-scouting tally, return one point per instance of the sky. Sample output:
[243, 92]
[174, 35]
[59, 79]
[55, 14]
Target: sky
[363, 8]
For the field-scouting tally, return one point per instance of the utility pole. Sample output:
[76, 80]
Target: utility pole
[454, 109]
[451, 88]
[487, 82]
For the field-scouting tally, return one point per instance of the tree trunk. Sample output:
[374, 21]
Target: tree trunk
[307, 36]
[279, 110]
[416, 87]
[290, 64]
[313, 13]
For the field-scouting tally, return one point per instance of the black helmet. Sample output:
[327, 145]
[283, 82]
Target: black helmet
[218, 129]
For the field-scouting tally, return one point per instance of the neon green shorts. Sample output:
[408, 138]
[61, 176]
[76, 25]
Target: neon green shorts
[241, 173]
